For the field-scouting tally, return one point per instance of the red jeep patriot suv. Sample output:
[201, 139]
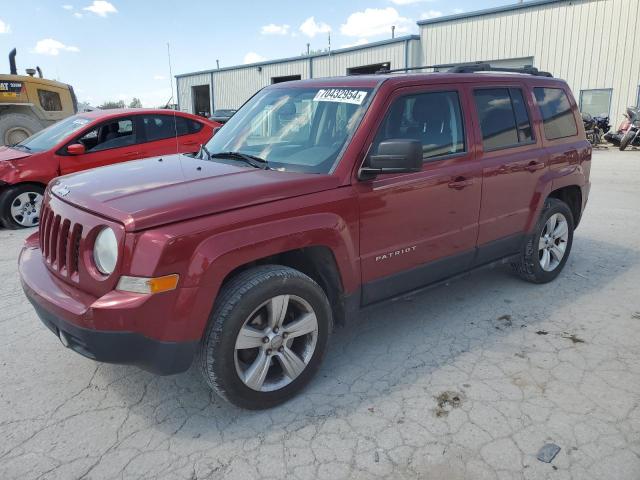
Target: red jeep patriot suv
[317, 198]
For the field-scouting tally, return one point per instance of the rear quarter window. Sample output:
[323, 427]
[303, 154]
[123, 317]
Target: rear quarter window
[557, 115]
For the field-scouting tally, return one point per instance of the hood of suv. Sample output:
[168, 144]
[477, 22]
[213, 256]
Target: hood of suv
[8, 153]
[160, 190]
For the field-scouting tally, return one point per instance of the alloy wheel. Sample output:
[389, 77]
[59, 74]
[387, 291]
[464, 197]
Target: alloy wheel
[25, 209]
[553, 242]
[276, 343]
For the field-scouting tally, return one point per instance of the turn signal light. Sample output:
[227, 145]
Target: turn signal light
[148, 285]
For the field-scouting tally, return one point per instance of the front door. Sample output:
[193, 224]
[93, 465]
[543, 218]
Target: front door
[112, 141]
[418, 228]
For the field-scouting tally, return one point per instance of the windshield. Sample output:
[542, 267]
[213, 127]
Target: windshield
[51, 136]
[294, 129]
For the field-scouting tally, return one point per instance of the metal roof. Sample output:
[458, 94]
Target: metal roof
[301, 58]
[489, 11]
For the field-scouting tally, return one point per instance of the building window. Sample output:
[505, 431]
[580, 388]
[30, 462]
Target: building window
[596, 102]
[288, 78]
[557, 115]
[504, 119]
[369, 69]
[50, 101]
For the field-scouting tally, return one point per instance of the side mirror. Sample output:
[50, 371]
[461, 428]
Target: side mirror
[393, 156]
[76, 149]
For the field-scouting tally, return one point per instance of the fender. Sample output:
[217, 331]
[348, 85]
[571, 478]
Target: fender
[555, 179]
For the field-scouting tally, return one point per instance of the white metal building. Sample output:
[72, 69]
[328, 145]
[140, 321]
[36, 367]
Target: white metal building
[205, 91]
[589, 43]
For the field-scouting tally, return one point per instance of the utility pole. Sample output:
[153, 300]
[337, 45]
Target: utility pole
[217, 64]
[308, 49]
[393, 31]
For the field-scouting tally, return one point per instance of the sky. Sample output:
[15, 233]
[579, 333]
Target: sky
[117, 49]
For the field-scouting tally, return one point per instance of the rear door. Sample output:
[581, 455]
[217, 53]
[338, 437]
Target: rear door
[418, 228]
[166, 133]
[112, 141]
[513, 161]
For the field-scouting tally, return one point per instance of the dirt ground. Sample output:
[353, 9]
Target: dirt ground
[468, 380]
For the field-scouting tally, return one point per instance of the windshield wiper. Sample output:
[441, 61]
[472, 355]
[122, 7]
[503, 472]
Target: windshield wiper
[252, 160]
[19, 145]
[204, 149]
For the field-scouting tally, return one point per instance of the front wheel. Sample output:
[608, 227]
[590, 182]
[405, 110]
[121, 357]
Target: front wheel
[266, 337]
[546, 250]
[20, 206]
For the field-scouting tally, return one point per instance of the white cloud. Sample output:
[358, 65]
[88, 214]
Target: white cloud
[431, 14]
[67, 7]
[273, 29]
[78, 15]
[458, 10]
[159, 77]
[409, 2]
[357, 43]
[311, 28]
[49, 46]
[101, 8]
[253, 57]
[375, 21]
[4, 27]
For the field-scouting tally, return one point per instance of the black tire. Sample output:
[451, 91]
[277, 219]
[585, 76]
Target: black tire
[8, 196]
[238, 298]
[626, 140]
[528, 267]
[12, 124]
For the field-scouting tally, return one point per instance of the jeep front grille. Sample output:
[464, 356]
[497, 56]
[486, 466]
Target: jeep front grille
[60, 242]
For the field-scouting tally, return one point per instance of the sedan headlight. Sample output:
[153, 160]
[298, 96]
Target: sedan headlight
[105, 251]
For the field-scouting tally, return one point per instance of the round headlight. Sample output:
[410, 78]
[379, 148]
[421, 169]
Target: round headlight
[105, 251]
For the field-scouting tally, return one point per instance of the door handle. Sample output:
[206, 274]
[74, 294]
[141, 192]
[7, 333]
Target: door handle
[459, 183]
[535, 166]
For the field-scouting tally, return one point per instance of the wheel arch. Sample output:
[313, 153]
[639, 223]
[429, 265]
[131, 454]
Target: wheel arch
[572, 196]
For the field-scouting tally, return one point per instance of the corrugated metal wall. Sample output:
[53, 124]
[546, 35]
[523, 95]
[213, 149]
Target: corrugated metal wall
[184, 87]
[592, 44]
[337, 63]
[233, 87]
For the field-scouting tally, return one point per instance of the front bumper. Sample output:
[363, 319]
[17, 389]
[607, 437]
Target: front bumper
[70, 314]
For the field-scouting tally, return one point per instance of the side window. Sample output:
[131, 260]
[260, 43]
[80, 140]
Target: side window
[50, 101]
[159, 127]
[433, 118]
[557, 115]
[113, 134]
[504, 120]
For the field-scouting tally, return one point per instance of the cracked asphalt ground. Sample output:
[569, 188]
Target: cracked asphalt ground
[464, 381]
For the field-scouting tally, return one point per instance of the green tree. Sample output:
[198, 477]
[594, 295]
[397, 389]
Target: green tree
[135, 103]
[108, 105]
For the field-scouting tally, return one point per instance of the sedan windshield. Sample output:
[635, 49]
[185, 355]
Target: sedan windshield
[51, 136]
[293, 128]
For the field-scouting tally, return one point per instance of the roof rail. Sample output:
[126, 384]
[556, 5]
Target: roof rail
[382, 71]
[486, 67]
[471, 68]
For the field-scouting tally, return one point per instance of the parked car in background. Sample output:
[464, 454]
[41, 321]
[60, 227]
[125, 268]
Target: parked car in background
[318, 198]
[222, 116]
[89, 140]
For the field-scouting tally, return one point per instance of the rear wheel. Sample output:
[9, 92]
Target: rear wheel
[626, 139]
[17, 127]
[266, 337]
[547, 249]
[20, 206]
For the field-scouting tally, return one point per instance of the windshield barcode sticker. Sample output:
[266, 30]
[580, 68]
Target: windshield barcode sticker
[340, 95]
